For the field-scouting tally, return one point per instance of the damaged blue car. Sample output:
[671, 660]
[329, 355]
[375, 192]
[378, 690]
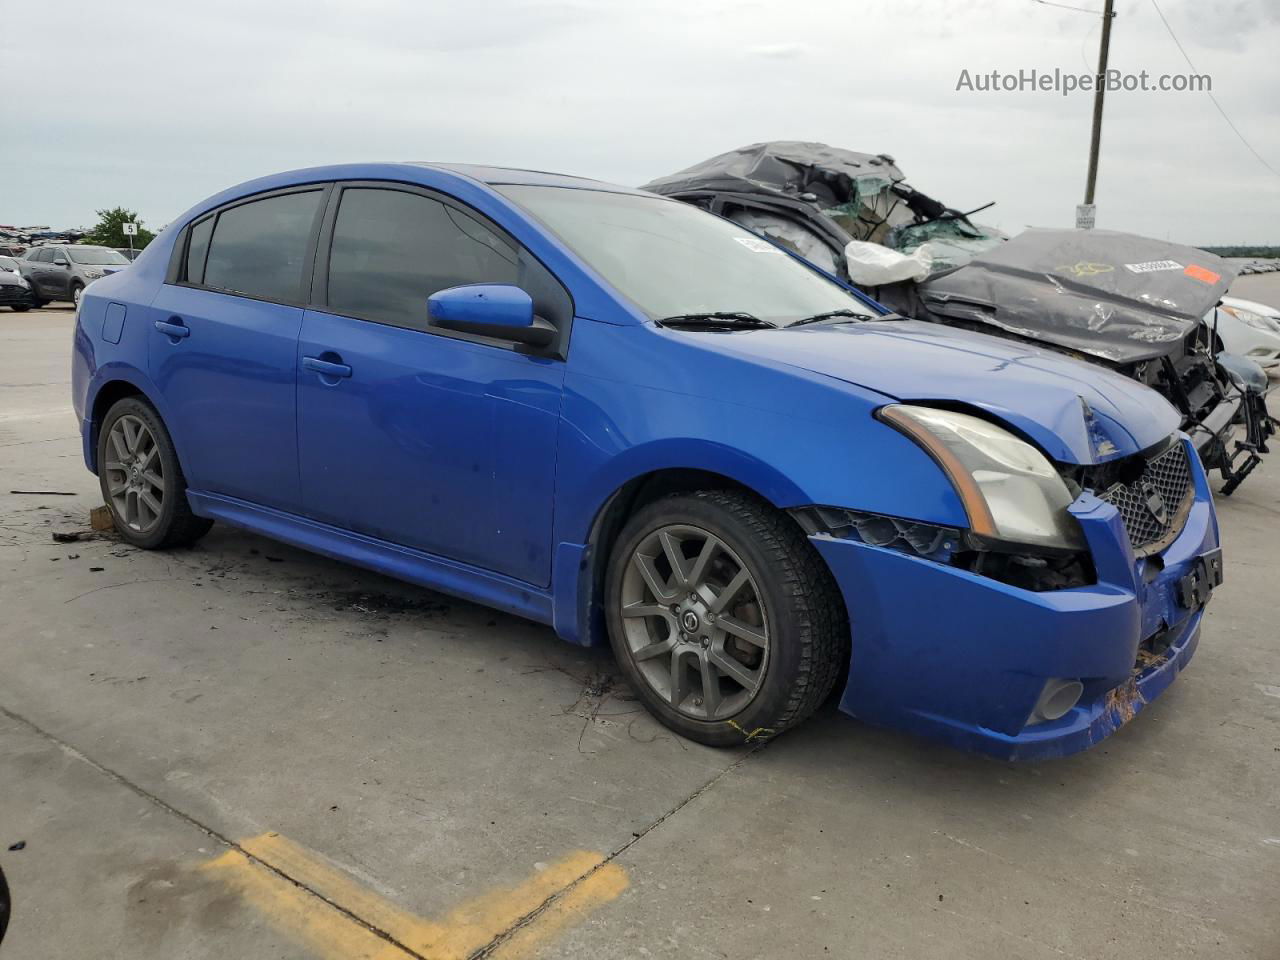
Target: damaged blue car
[643, 425]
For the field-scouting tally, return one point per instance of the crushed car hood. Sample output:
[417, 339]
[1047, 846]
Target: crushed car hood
[1036, 391]
[784, 167]
[1116, 296]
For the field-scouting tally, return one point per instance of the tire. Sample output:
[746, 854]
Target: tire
[788, 600]
[74, 292]
[20, 307]
[129, 479]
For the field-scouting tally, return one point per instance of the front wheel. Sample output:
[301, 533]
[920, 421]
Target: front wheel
[76, 290]
[20, 307]
[723, 617]
[142, 481]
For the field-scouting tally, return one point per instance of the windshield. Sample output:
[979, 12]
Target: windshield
[8, 263]
[95, 255]
[672, 259]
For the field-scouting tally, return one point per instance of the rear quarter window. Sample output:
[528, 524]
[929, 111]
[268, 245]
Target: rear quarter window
[197, 249]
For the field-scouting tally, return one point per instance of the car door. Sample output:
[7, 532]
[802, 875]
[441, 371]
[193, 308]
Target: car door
[223, 349]
[429, 439]
[57, 276]
[36, 266]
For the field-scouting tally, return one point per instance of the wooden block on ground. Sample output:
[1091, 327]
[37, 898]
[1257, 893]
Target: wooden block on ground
[100, 518]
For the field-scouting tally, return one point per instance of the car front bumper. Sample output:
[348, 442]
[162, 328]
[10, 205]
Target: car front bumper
[15, 295]
[962, 658]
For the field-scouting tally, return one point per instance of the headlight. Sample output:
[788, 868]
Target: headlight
[1009, 489]
[93, 274]
[1255, 320]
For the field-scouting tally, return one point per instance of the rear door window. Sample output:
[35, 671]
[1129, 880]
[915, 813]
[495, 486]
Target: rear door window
[391, 250]
[258, 248]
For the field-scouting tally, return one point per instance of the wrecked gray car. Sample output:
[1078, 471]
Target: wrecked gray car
[1127, 302]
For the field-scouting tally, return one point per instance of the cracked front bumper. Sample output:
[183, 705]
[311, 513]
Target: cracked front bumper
[939, 651]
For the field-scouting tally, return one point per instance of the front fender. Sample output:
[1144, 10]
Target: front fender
[794, 437]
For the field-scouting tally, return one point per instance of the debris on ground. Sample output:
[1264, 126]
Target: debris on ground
[385, 604]
[100, 518]
[46, 493]
[101, 523]
[15, 847]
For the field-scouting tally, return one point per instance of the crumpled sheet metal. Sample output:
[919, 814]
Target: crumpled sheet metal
[788, 167]
[1116, 296]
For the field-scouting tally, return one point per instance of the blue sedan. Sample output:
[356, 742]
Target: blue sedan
[643, 425]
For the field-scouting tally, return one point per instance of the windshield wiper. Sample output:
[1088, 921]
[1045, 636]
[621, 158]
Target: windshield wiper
[728, 320]
[833, 314]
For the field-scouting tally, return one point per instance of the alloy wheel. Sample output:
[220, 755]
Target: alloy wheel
[695, 623]
[135, 474]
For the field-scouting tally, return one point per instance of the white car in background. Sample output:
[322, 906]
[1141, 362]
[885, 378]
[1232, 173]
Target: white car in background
[1249, 329]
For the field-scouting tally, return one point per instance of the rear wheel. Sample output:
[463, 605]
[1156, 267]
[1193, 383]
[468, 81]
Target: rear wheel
[723, 617]
[142, 481]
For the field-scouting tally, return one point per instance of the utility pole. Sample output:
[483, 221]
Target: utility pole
[1104, 49]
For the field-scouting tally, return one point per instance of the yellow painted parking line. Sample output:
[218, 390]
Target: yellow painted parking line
[604, 885]
[316, 903]
[322, 929]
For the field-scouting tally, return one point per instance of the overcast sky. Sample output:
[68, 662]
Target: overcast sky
[155, 104]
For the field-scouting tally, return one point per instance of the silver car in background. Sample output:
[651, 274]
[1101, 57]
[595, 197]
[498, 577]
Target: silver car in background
[62, 271]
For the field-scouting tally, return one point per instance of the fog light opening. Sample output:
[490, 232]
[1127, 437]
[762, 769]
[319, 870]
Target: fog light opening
[1056, 700]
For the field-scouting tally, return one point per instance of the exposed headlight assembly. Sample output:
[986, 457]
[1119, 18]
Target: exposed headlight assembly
[1255, 320]
[1010, 491]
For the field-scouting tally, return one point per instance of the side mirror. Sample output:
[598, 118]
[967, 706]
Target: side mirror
[59, 262]
[499, 310]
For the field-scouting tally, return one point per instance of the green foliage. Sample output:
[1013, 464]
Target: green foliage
[109, 231]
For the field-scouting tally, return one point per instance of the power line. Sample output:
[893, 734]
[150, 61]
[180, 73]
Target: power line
[1234, 129]
[1064, 6]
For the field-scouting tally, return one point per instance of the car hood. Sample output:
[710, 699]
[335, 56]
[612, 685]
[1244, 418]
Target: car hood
[8, 279]
[1076, 412]
[1116, 296]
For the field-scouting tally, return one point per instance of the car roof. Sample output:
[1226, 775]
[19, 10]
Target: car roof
[495, 176]
[409, 171]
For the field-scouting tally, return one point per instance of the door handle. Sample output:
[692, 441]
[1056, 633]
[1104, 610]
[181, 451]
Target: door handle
[173, 327]
[325, 368]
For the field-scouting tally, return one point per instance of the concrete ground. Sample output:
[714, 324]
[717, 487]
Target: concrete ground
[240, 750]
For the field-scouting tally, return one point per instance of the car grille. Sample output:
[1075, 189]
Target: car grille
[12, 293]
[1154, 507]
